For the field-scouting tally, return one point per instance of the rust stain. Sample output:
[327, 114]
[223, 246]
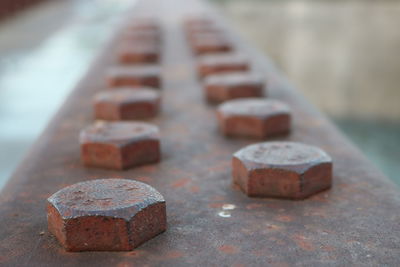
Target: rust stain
[273, 227]
[303, 243]
[174, 254]
[215, 205]
[253, 206]
[284, 218]
[194, 189]
[228, 249]
[180, 183]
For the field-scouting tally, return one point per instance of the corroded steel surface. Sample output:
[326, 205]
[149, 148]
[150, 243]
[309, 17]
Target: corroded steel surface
[210, 222]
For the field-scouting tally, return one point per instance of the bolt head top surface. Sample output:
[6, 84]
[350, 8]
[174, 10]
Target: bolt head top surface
[118, 132]
[128, 95]
[118, 198]
[290, 155]
[282, 169]
[258, 107]
[234, 79]
[211, 64]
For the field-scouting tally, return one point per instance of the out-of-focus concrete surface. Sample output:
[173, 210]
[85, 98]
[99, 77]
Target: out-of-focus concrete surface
[343, 55]
[43, 53]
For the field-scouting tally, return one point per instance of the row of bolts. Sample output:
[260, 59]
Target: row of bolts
[87, 215]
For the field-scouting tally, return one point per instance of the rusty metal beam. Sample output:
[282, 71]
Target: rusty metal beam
[210, 222]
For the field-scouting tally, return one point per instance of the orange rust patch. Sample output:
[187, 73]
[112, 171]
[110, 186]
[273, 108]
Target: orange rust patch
[174, 254]
[194, 189]
[253, 206]
[303, 243]
[215, 205]
[327, 248]
[228, 249]
[180, 183]
[284, 218]
[124, 264]
[135, 253]
[273, 227]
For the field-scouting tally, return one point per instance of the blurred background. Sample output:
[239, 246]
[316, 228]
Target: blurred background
[343, 55]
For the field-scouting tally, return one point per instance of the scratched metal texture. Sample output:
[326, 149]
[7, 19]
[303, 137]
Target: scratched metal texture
[357, 222]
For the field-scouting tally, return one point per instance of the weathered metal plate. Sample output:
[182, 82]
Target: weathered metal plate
[210, 222]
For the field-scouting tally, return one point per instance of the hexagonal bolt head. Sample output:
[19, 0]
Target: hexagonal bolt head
[143, 75]
[127, 104]
[145, 24]
[211, 45]
[138, 52]
[225, 86]
[281, 170]
[219, 63]
[199, 35]
[151, 37]
[253, 117]
[106, 215]
[119, 145]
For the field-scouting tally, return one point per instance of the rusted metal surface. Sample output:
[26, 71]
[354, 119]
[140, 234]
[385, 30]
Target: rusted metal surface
[282, 169]
[106, 215]
[210, 222]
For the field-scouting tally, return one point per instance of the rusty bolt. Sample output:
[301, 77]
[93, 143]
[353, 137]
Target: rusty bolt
[144, 75]
[106, 215]
[127, 104]
[138, 52]
[143, 24]
[197, 37]
[119, 145]
[253, 117]
[211, 45]
[218, 63]
[225, 86]
[282, 169]
[151, 37]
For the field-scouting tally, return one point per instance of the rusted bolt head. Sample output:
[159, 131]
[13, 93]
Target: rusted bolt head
[212, 45]
[218, 63]
[282, 169]
[253, 117]
[143, 75]
[106, 214]
[226, 86]
[143, 24]
[198, 37]
[119, 145]
[138, 52]
[141, 36]
[127, 104]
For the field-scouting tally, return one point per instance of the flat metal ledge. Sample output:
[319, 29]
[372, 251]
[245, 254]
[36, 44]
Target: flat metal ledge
[354, 223]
